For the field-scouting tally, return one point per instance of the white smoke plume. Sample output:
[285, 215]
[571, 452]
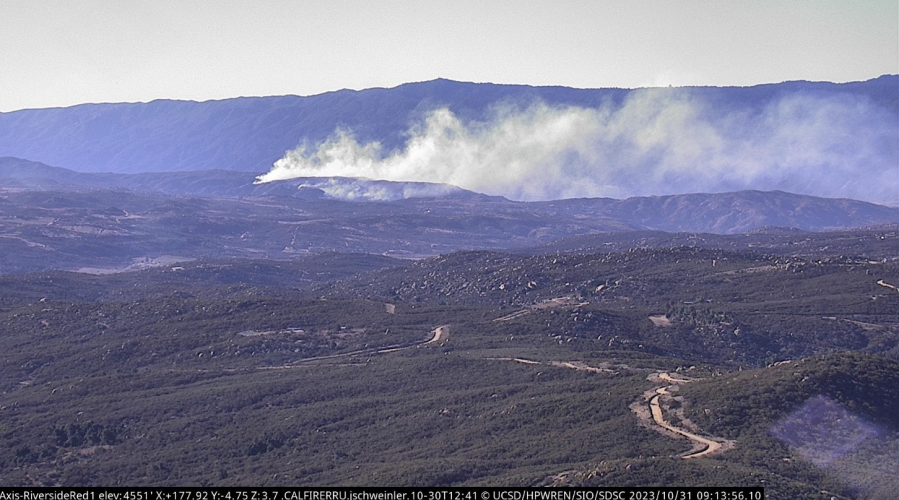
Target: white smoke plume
[367, 190]
[657, 142]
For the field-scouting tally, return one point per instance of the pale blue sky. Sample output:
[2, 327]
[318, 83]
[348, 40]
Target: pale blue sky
[58, 53]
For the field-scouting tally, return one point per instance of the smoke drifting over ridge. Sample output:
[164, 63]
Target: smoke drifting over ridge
[657, 142]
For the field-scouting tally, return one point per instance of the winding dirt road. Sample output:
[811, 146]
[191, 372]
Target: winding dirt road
[707, 446]
[710, 446]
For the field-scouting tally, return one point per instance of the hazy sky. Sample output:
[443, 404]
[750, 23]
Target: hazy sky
[58, 53]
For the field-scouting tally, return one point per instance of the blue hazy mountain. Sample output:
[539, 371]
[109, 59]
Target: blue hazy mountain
[249, 134]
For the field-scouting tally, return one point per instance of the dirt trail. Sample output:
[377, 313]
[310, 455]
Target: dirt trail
[887, 285]
[517, 360]
[711, 446]
[580, 366]
[750, 270]
[437, 334]
[510, 317]
[706, 446]
[566, 301]
[660, 320]
[668, 378]
[571, 365]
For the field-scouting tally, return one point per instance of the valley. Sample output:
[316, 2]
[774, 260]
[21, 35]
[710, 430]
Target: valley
[150, 377]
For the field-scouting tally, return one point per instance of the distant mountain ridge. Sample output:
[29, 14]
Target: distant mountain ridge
[735, 212]
[722, 213]
[249, 134]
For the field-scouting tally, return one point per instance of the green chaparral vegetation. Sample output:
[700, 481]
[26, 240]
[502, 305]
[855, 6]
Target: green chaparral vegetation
[253, 372]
